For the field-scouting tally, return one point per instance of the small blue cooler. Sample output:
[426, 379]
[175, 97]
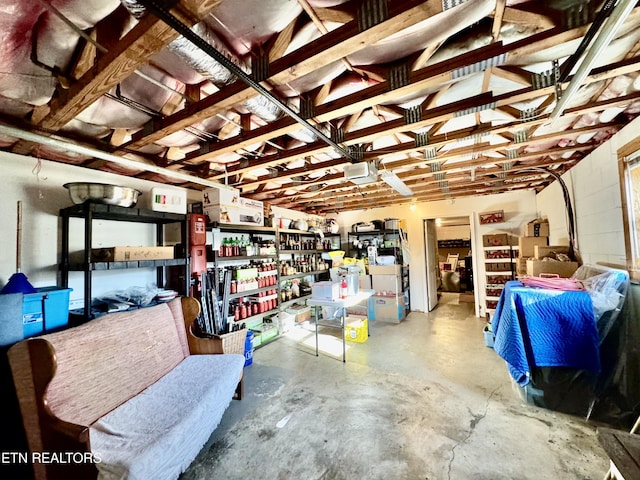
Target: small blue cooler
[45, 310]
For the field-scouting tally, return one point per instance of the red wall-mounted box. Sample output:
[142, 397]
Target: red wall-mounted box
[197, 229]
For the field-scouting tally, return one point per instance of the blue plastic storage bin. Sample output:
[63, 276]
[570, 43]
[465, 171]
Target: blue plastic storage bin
[45, 310]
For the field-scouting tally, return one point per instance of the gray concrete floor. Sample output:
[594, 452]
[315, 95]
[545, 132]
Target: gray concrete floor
[423, 399]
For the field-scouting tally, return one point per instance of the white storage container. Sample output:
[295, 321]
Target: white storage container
[391, 223]
[325, 291]
[172, 200]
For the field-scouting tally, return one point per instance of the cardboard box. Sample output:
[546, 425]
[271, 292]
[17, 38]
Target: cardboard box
[537, 228]
[494, 254]
[491, 217]
[385, 269]
[225, 205]
[126, 254]
[527, 245]
[325, 291]
[246, 214]
[495, 240]
[498, 267]
[356, 329]
[564, 269]
[221, 196]
[246, 273]
[364, 282]
[301, 313]
[386, 283]
[542, 251]
[521, 268]
[389, 308]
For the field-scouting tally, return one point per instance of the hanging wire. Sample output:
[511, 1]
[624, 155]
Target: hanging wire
[573, 250]
[37, 168]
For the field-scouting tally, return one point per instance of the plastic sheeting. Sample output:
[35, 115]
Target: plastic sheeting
[613, 395]
[618, 403]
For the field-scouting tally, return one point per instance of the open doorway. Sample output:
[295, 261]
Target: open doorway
[448, 260]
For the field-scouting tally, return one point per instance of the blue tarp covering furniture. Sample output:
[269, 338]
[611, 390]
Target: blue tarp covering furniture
[563, 349]
[545, 328]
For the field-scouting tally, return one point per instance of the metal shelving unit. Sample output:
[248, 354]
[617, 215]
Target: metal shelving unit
[90, 211]
[279, 256]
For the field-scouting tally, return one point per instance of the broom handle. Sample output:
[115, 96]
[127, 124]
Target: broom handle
[19, 240]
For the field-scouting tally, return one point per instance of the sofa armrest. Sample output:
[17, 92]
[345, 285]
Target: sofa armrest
[43, 363]
[78, 434]
[33, 365]
[197, 345]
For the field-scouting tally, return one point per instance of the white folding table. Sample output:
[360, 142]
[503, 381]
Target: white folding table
[341, 304]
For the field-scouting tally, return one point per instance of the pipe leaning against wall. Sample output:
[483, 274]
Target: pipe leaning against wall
[92, 152]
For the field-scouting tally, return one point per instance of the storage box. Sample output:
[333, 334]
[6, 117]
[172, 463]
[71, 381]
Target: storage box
[236, 215]
[301, 313]
[522, 266]
[491, 217]
[495, 240]
[221, 196]
[542, 251]
[385, 269]
[389, 308]
[527, 245]
[263, 333]
[391, 284]
[325, 291]
[45, 310]
[364, 282]
[498, 267]
[537, 228]
[246, 273]
[225, 205]
[564, 269]
[286, 321]
[356, 329]
[126, 254]
[166, 199]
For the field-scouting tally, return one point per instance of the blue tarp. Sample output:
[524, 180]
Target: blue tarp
[545, 328]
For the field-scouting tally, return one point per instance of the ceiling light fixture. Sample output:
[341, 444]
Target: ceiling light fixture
[361, 173]
[394, 182]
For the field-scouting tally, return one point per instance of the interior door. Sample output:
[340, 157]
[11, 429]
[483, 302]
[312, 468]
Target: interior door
[431, 261]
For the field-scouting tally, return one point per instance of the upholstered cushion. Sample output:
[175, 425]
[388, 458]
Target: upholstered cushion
[106, 361]
[159, 432]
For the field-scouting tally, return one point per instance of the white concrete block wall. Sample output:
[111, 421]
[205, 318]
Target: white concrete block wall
[595, 191]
